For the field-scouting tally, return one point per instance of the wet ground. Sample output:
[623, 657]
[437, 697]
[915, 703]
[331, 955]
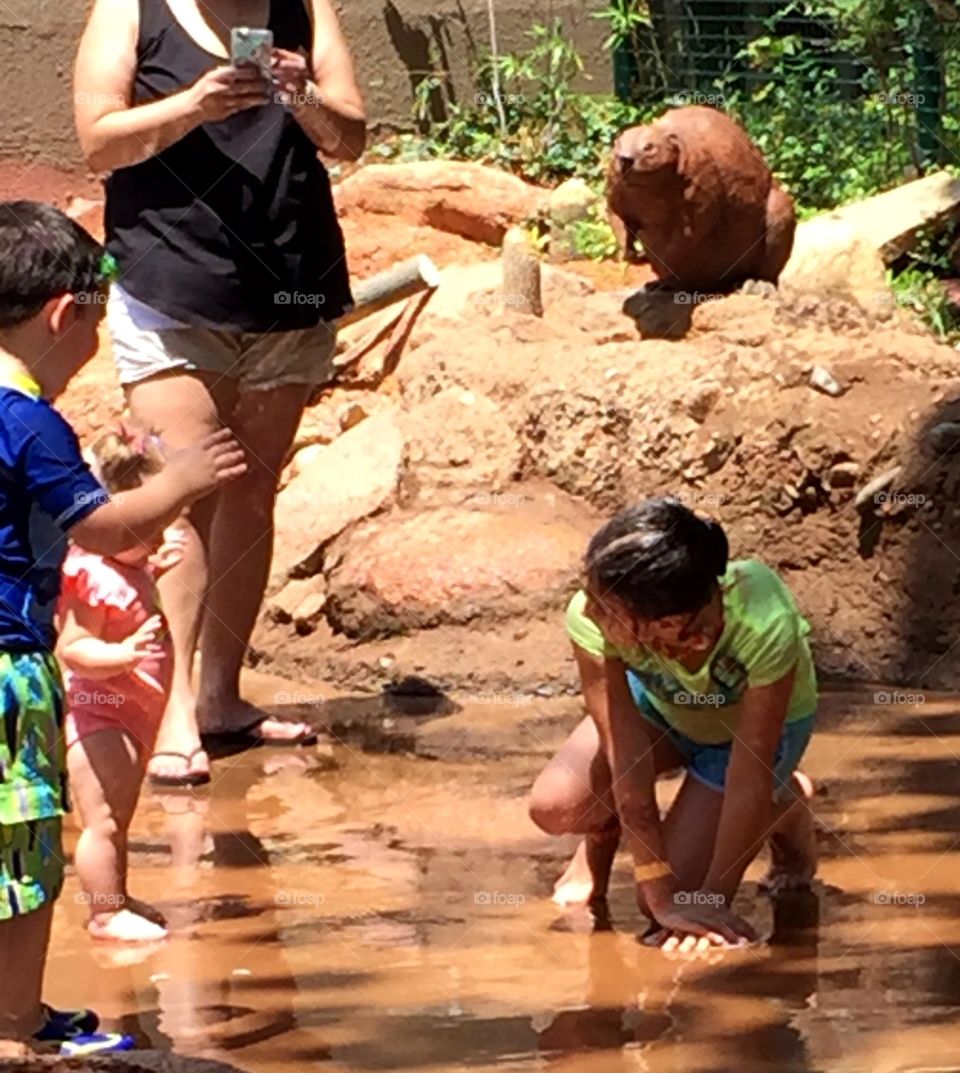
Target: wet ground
[385, 908]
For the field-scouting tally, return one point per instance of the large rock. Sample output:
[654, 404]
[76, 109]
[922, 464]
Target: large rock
[893, 221]
[830, 257]
[477, 202]
[458, 440]
[519, 554]
[344, 482]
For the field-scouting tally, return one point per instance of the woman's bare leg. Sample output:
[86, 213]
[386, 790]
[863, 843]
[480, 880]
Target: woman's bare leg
[182, 409]
[240, 552]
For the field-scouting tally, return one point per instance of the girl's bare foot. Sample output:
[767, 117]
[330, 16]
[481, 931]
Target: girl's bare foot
[588, 875]
[575, 886]
[125, 926]
[793, 846]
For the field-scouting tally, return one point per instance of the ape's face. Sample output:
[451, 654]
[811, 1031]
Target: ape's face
[643, 151]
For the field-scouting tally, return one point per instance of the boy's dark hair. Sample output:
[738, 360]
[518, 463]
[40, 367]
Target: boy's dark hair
[43, 254]
[658, 558]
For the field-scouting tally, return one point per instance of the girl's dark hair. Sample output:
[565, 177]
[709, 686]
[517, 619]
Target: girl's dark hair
[43, 254]
[658, 558]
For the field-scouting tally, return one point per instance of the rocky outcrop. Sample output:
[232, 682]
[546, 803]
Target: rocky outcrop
[471, 200]
[504, 555]
[340, 484]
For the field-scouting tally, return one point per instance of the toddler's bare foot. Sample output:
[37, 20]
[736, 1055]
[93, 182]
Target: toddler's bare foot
[125, 926]
[146, 910]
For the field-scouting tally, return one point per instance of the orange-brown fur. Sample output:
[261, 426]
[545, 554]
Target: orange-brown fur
[699, 196]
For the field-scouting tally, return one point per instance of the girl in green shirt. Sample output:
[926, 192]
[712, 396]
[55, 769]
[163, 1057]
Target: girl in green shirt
[687, 661]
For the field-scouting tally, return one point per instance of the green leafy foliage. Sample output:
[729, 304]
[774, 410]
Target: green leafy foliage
[836, 119]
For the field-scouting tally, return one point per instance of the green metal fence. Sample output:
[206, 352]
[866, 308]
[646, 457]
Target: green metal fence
[712, 50]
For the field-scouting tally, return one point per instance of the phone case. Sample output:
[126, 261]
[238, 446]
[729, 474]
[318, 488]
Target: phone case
[251, 46]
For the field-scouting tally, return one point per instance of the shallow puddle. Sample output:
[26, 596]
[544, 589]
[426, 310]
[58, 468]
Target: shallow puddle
[391, 913]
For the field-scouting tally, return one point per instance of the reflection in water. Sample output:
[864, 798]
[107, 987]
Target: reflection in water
[390, 913]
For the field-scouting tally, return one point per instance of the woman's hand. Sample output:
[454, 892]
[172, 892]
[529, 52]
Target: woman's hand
[224, 91]
[693, 916]
[291, 72]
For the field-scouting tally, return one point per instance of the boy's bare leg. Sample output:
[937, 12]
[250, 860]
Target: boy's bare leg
[23, 954]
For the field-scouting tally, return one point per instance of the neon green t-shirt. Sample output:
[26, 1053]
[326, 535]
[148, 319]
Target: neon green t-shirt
[764, 636]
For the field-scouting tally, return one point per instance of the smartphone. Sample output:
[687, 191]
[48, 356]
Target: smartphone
[251, 47]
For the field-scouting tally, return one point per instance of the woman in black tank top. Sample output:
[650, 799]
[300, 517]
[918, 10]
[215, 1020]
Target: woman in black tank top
[232, 268]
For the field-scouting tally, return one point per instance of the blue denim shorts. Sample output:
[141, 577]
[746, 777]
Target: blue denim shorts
[708, 763]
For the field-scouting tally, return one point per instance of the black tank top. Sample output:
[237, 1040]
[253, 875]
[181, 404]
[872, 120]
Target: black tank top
[233, 226]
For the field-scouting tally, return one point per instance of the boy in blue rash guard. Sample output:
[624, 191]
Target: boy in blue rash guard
[53, 276]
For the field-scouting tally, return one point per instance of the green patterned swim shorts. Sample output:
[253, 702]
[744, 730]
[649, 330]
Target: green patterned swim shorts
[31, 866]
[33, 783]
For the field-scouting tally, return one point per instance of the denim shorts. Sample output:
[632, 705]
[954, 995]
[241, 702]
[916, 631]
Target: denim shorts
[708, 763]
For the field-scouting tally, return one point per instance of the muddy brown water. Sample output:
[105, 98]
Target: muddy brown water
[391, 913]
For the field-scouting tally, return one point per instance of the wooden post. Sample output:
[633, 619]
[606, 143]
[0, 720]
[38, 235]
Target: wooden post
[400, 281]
[521, 274]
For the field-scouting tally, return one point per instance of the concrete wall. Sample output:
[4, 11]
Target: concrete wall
[390, 40]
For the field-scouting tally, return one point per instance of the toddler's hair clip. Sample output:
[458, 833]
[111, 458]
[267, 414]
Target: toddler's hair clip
[140, 442]
[108, 271]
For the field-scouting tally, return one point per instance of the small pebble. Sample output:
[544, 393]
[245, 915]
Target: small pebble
[386, 662]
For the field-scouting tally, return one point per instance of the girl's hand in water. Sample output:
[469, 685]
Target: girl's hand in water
[687, 920]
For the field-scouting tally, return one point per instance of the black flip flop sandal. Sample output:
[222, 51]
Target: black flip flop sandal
[187, 779]
[249, 737]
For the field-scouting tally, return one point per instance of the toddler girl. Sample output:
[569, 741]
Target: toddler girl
[117, 663]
